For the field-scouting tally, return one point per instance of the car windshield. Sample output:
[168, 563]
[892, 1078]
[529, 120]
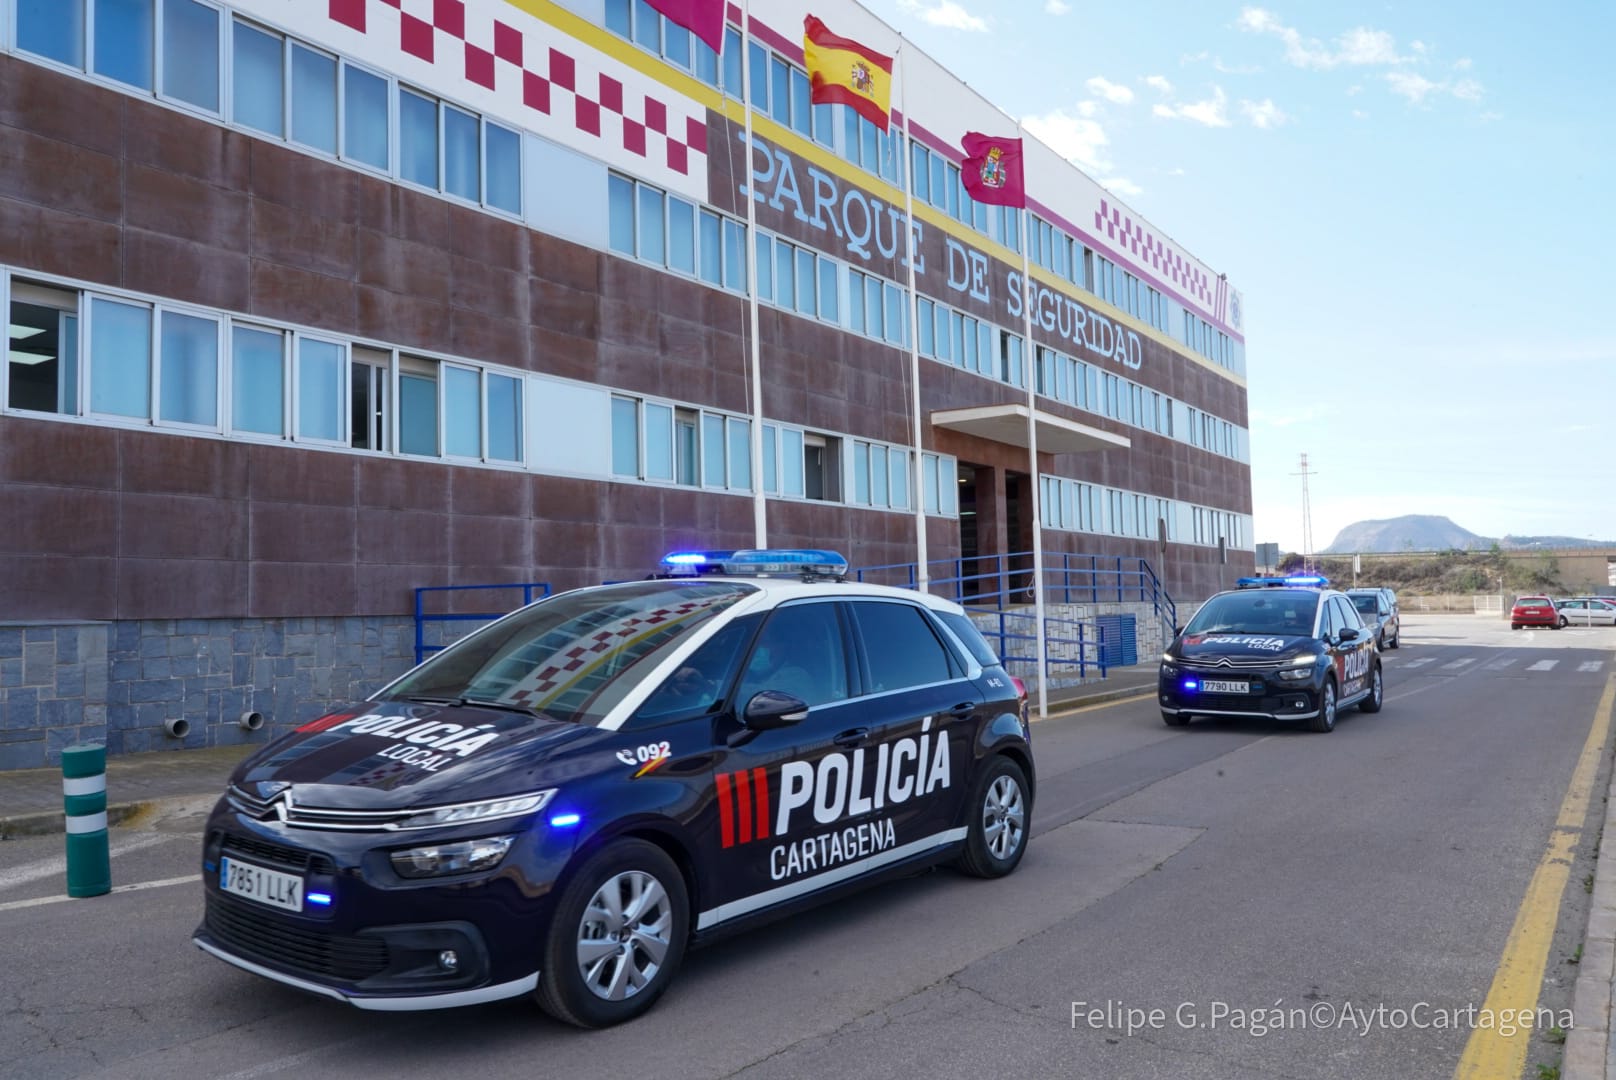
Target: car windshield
[1266, 611]
[574, 656]
[1368, 605]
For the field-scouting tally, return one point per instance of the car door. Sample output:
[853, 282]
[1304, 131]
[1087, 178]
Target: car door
[1575, 612]
[922, 712]
[1351, 658]
[778, 794]
[1602, 611]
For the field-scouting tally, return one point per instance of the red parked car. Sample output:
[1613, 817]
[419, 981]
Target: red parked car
[1535, 611]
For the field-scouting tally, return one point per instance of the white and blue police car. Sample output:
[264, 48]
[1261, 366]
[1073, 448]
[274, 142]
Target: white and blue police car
[1277, 648]
[564, 801]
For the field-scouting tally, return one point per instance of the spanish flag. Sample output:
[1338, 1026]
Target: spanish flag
[845, 72]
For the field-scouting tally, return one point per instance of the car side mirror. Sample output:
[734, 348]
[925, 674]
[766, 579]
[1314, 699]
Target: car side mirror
[1348, 634]
[771, 709]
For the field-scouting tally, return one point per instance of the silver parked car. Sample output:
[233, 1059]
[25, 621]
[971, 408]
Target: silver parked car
[1588, 611]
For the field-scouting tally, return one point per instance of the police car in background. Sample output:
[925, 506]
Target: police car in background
[563, 801]
[1286, 648]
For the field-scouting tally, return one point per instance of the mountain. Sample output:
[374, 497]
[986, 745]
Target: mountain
[1412, 532]
[1429, 532]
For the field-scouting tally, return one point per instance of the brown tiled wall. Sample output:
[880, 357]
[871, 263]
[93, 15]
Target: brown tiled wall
[126, 524]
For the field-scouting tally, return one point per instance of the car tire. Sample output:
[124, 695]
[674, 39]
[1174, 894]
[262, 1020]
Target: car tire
[1324, 721]
[1380, 642]
[590, 964]
[1175, 719]
[1514, 626]
[1001, 813]
[1397, 639]
[1563, 623]
[1377, 692]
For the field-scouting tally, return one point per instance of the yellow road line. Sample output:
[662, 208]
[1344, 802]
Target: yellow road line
[1091, 708]
[1519, 978]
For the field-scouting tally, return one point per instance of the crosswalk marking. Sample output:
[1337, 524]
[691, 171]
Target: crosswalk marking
[1590, 665]
[1421, 662]
[1500, 665]
[1459, 663]
[1543, 665]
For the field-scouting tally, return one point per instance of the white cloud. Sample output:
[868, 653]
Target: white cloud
[1355, 89]
[945, 13]
[1408, 85]
[1263, 114]
[1467, 90]
[1213, 112]
[1057, 7]
[1357, 47]
[1462, 64]
[1116, 94]
[1078, 139]
[1089, 109]
[1359, 114]
[1159, 83]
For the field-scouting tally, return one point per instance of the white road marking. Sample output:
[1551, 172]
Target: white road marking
[1459, 663]
[1421, 662]
[44, 868]
[40, 901]
[1590, 665]
[1500, 665]
[1543, 665]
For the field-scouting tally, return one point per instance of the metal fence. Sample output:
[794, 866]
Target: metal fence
[530, 591]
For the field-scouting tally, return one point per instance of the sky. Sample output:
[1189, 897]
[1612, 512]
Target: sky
[1415, 199]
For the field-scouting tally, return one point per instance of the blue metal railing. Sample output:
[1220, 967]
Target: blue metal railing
[531, 590]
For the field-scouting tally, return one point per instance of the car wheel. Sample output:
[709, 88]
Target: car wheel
[1380, 641]
[1377, 693]
[1397, 639]
[1325, 720]
[617, 936]
[1514, 626]
[1562, 623]
[997, 835]
[1175, 719]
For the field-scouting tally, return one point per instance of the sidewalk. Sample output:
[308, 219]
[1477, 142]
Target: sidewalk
[31, 799]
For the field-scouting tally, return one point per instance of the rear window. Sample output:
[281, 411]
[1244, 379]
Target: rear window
[970, 637]
[1532, 601]
[1369, 605]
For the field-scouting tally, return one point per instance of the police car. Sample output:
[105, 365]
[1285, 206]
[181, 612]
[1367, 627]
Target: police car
[1286, 648]
[565, 800]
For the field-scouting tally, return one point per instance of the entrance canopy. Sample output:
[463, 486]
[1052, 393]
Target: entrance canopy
[1008, 424]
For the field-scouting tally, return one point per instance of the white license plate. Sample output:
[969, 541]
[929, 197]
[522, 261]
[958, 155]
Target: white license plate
[261, 884]
[1224, 686]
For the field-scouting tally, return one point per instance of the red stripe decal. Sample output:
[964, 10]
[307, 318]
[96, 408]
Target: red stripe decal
[760, 784]
[743, 807]
[328, 721]
[726, 819]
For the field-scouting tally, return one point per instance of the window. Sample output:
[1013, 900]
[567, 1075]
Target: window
[685, 454]
[418, 139]
[124, 36]
[901, 647]
[740, 456]
[620, 200]
[369, 373]
[791, 462]
[257, 385]
[822, 468]
[712, 248]
[625, 437]
[321, 379]
[191, 53]
[652, 247]
[365, 121]
[258, 86]
[462, 162]
[314, 99]
[42, 368]
[771, 457]
[681, 236]
[658, 462]
[799, 652]
[462, 412]
[417, 406]
[713, 472]
[188, 370]
[53, 29]
[120, 358]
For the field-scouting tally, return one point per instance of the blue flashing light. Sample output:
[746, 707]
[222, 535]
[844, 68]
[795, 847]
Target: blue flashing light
[1191, 684]
[565, 821]
[323, 899]
[1310, 580]
[787, 561]
[210, 866]
[1304, 581]
[686, 558]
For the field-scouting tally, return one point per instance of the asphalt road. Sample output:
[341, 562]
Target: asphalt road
[1207, 873]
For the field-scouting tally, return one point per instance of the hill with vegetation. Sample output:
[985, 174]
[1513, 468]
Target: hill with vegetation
[1491, 571]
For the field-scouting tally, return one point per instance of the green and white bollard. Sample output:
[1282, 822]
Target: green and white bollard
[84, 798]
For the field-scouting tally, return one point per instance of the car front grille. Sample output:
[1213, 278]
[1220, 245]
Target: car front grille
[295, 860]
[255, 933]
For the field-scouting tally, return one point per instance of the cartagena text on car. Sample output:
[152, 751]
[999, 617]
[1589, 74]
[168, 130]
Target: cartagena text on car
[1288, 648]
[564, 801]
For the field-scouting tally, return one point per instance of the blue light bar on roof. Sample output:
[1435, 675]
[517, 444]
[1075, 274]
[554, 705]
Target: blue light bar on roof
[1295, 581]
[787, 561]
[694, 562]
[1308, 580]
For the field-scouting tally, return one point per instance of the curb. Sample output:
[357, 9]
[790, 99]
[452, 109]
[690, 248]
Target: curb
[1587, 1047]
[1104, 697]
[54, 821]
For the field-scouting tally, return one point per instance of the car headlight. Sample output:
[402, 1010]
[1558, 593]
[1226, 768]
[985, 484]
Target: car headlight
[1169, 670]
[1169, 658]
[459, 857]
[1305, 660]
[484, 810]
[1296, 674]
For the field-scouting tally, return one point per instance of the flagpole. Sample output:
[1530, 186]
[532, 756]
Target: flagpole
[760, 516]
[917, 470]
[1029, 365]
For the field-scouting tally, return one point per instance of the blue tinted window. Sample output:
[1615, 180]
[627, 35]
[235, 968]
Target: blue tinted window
[658, 442]
[802, 114]
[805, 282]
[625, 437]
[712, 248]
[256, 386]
[191, 53]
[319, 389]
[652, 246]
[189, 370]
[706, 63]
[732, 61]
[740, 454]
[620, 202]
[770, 435]
[259, 80]
[314, 99]
[785, 295]
[418, 139]
[763, 254]
[758, 59]
[418, 415]
[462, 413]
[52, 28]
[780, 90]
[712, 450]
[504, 418]
[504, 168]
[676, 45]
[827, 289]
[618, 19]
[647, 26]
[120, 358]
[462, 168]
[364, 131]
[125, 33]
[681, 236]
[855, 301]
[861, 473]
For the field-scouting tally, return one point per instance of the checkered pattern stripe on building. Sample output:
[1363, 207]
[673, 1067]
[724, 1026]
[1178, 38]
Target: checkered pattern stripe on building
[544, 80]
[563, 669]
[1119, 227]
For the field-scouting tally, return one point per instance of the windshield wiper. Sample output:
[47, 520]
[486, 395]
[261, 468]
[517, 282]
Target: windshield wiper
[503, 706]
[428, 699]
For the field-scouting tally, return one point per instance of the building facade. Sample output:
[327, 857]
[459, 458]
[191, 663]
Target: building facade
[313, 302]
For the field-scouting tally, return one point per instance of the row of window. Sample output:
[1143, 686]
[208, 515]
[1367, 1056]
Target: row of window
[180, 367]
[201, 56]
[1210, 433]
[1210, 342]
[1126, 292]
[1076, 506]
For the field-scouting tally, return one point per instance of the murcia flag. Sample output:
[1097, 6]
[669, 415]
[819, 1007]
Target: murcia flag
[992, 170]
[845, 72]
[704, 18]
